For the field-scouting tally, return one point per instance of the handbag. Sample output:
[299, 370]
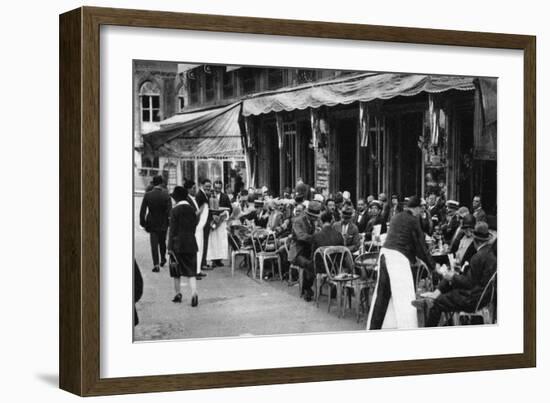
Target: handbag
[173, 264]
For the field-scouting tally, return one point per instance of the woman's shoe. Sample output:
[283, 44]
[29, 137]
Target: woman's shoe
[177, 298]
[195, 300]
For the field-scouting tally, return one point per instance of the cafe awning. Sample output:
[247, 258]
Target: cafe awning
[362, 87]
[213, 133]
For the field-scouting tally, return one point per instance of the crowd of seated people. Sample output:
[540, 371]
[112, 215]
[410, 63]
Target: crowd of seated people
[305, 218]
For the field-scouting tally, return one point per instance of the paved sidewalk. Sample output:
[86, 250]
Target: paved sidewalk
[228, 306]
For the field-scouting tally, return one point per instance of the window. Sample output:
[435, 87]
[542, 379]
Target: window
[248, 82]
[305, 76]
[209, 87]
[149, 95]
[228, 87]
[181, 99]
[274, 78]
[193, 90]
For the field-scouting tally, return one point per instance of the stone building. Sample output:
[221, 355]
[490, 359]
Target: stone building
[337, 130]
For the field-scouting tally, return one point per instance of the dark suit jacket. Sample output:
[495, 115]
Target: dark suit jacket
[370, 226]
[302, 238]
[226, 202]
[480, 215]
[183, 221]
[352, 239]
[469, 252]
[328, 236]
[362, 221]
[449, 229]
[259, 219]
[471, 284]
[155, 210]
[406, 236]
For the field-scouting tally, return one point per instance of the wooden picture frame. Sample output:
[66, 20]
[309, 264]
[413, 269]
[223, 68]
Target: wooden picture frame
[80, 187]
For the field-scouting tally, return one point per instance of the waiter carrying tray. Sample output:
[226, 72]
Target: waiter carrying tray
[391, 307]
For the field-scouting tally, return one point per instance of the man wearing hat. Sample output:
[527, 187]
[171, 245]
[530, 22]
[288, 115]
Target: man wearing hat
[259, 215]
[303, 228]
[462, 291]
[391, 303]
[463, 246]
[375, 219]
[352, 239]
[153, 217]
[452, 221]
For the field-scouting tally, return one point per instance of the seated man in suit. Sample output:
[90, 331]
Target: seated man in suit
[376, 219]
[361, 216]
[461, 292]
[259, 215]
[451, 222]
[463, 246]
[303, 228]
[479, 213]
[349, 230]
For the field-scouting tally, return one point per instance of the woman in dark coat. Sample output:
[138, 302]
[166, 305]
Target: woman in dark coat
[182, 244]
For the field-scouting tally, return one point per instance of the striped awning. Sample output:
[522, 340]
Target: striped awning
[213, 133]
[361, 87]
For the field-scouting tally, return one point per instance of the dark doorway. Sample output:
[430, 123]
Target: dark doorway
[406, 156]
[307, 155]
[346, 132]
[270, 159]
[465, 121]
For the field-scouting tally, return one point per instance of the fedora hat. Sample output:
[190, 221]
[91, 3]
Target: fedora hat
[314, 208]
[481, 231]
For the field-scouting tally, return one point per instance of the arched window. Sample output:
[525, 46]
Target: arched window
[149, 99]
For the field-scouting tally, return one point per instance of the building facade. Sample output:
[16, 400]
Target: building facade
[338, 130]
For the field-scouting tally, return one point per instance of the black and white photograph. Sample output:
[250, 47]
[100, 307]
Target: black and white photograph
[275, 200]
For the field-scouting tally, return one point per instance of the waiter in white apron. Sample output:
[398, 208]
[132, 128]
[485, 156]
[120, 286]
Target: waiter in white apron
[391, 306]
[200, 202]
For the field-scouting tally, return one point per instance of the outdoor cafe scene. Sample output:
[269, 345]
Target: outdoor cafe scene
[274, 201]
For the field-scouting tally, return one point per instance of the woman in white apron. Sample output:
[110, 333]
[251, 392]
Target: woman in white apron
[218, 247]
[199, 234]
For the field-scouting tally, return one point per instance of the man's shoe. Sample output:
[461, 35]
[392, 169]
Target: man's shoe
[218, 263]
[155, 269]
[207, 267]
[201, 275]
[308, 295]
[177, 298]
[194, 300]
[162, 262]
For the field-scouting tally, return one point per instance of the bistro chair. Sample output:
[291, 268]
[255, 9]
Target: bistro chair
[485, 308]
[361, 290]
[236, 234]
[265, 249]
[423, 281]
[334, 259]
[294, 268]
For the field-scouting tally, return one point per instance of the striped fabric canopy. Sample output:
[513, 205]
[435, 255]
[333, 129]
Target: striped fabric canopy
[363, 87]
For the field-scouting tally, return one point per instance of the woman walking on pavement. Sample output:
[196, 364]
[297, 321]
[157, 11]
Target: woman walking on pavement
[183, 245]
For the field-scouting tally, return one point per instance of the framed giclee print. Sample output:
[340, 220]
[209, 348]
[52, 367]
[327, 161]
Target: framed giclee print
[249, 201]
